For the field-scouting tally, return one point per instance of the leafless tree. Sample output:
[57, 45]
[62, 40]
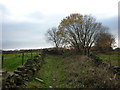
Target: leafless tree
[54, 37]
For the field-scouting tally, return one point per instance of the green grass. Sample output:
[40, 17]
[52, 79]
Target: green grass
[113, 58]
[52, 73]
[72, 72]
[12, 61]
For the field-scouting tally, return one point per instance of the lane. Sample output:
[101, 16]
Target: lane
[51, 75]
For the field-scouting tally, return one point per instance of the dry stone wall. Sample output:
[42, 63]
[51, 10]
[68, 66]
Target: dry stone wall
[23, 73]
[98, 61]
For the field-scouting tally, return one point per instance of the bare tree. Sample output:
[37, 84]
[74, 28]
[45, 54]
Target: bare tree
[80, 31]
[54, 37]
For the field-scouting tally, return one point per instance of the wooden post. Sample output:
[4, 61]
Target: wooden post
[110, 60]
[31, 54]
[43, 57]
[109, 52]
[27, 55]
[38, 52]
[2, 60]
[22, 58]
[118, 58]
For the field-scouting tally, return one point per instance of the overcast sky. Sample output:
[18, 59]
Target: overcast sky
[25, 22]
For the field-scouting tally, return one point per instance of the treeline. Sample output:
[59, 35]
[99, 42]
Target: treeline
[21, 51]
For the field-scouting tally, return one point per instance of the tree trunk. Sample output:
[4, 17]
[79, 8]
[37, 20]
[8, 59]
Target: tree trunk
[85, 51]
[56, 47]
[88, 51]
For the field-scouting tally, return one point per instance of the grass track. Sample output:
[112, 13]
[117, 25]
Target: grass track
[52, 73]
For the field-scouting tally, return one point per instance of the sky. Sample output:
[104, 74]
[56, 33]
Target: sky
[23, 23]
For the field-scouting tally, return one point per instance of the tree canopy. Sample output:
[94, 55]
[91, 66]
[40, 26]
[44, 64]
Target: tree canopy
[78, 31]
[104, 41]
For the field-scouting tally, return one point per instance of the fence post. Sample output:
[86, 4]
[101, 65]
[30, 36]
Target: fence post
[118, 59]
[22, 58]
[26, 55]
[36, 52]
[110, 61]
[31, 54]
[2, 60]
[43, 55]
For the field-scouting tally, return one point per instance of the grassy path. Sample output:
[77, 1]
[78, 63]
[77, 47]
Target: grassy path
[52, 74]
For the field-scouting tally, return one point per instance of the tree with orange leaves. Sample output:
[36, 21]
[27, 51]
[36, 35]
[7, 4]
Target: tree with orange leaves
[80, 31]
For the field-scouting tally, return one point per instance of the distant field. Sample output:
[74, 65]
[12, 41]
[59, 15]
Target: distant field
[12, 61]
[113, 58]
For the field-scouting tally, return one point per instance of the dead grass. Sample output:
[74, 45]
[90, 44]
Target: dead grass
[82, 73]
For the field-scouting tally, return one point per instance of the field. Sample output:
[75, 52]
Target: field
[113, 58]
[12, 61]
[73, 71]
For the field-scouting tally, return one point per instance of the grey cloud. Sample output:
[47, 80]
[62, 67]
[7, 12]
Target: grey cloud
[112, 23]
[36, 15]
[52, 19]
[30, 34]
[24, 44]
[24, 34]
